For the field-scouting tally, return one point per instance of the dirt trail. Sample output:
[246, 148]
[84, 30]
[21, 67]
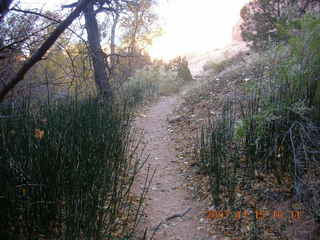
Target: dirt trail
[170, 211]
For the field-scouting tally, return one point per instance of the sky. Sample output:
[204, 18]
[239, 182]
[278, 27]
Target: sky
[195, 26]
[51, 5]
[189, 26]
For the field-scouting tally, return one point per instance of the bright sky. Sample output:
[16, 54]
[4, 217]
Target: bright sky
[53, 4]
[189, 26]
[195, 26]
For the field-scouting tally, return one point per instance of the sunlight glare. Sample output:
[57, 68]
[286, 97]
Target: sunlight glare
[195, 26]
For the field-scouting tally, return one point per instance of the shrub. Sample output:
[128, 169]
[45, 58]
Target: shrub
[216, 67]
[140, 87]
[181, 66]
[184, 72]
[263, 20]
[150, 82]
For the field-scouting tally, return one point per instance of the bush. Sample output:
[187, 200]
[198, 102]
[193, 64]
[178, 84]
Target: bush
[181, 66]
[140, 87]
[263, 20]
[150, 82]
[216, 67]
[184, 71]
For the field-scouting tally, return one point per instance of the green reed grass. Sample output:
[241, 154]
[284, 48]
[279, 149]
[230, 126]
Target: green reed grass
[277, 126]
[66, 170]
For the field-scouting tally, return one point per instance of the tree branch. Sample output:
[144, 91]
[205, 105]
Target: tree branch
[46, 17]
[35, 13]
[10, 46]
[104, 9]
[37, 56]
[72, 5]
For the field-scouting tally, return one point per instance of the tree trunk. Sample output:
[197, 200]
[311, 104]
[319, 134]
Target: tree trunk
[97, 57]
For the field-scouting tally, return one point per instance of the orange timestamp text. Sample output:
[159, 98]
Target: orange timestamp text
[259, 214]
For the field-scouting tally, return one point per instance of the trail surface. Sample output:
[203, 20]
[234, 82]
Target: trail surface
[171, 214]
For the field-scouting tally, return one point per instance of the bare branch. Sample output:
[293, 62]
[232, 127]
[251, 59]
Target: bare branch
[72, 5]
[35, 13]
[37, 56]
[10, 46]
[104, 9]
[46, 17]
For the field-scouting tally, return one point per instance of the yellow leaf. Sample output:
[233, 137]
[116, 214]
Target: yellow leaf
[39, 134]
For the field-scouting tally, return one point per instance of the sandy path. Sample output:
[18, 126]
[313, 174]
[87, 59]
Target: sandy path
[166, 196]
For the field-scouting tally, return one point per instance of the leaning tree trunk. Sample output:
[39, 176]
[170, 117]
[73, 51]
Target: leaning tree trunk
[97, 57]
[46, 45]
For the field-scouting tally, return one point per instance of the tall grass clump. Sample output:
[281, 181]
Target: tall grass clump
[66, 170]
[277, 128]
[215, 142]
